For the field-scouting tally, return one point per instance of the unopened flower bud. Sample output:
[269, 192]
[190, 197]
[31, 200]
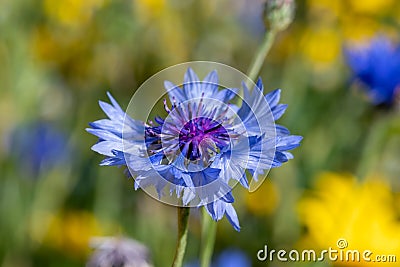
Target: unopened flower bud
[278, 14]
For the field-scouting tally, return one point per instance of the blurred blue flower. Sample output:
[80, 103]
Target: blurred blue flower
[232, 258]
[203, 143]
[228, 258]
[377, 67]
[39, 146]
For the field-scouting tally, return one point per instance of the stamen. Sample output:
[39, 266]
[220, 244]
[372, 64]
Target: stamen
[223, 113]
[174, 102]
[166, 106]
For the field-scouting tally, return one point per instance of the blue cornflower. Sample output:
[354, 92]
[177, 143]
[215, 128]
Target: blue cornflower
[203, 145]
[377, 67]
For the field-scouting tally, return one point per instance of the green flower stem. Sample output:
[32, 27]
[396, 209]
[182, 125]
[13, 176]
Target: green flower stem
[259, 58]
[208, 232]
[382, 129]
[183, 218]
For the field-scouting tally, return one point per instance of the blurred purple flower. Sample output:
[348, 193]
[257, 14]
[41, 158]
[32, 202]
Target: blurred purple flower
[377, 66]
[39, 146]
[201, 145]
[121, 252]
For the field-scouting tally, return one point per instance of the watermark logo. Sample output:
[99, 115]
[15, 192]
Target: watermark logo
[342, 243]
[338, 254]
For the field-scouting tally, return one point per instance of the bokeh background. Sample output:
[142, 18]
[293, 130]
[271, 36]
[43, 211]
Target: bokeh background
[58, 58]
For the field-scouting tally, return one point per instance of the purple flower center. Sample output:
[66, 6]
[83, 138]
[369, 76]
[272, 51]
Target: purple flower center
[202, 137]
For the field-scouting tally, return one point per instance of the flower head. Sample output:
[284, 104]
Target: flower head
[377, 67]
[203, 145]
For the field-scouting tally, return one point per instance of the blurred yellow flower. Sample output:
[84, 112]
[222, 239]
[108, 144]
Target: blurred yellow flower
[71, 52]
[346, 7]
[163, 29]
[71, 13]
[149, 9]
[324, 9]
[362, 213]
[331, 23]
[359, 27]
[71, 231]
[264, 200]
[321, 46]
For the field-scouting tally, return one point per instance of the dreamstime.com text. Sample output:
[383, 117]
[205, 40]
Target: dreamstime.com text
[333, 254]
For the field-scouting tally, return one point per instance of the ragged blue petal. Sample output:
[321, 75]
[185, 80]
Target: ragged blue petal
[219, 208]
[376, 65]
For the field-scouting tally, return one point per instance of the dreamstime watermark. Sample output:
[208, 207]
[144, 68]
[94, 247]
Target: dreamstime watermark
[340, 253]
